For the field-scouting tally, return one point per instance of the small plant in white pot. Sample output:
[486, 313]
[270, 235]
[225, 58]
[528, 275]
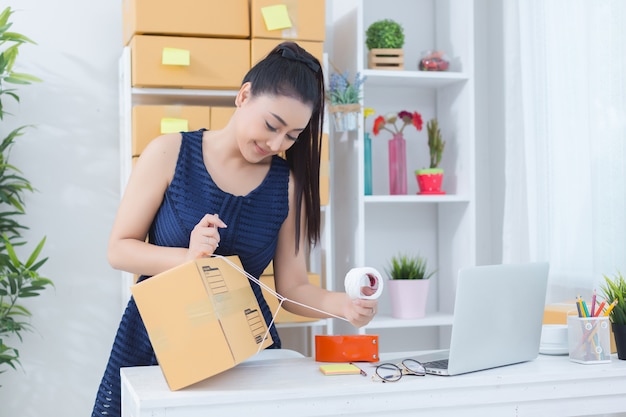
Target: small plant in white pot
[408, 285]
[429, 179]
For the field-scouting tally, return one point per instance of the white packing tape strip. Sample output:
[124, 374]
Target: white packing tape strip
[358, 278]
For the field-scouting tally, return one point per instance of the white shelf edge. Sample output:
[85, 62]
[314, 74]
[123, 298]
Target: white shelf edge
[298, 324]
[451, 198]
[145, 95]
[388, 322]
[390, 78]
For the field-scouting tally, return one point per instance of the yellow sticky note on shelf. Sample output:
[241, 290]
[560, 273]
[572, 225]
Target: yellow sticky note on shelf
[276, 17]
[173, 125]
[175, 56]
[340, 369]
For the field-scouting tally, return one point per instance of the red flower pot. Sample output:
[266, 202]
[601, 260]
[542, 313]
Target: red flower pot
[429, 180]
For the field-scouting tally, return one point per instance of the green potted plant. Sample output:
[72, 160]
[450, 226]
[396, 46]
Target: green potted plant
[18, 279]
[614, 289]
[408, 285]
[429, 179]
[384, 40]
[345, 99]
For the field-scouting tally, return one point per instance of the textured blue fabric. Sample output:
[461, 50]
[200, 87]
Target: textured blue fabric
[253, 223]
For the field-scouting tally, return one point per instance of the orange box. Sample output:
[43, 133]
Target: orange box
[307, 18]
[184, 62]
[198, 18]
[152, 121]
[285, 316]
[202, 319]
[325, 171]
[220, 116]
[259, 48]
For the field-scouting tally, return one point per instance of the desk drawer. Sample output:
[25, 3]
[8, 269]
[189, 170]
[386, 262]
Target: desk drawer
[184, 62]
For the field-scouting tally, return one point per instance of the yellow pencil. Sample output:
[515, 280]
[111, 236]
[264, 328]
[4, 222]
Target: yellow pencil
[610, 307]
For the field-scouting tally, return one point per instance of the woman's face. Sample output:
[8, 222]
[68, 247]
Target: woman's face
[268, 125]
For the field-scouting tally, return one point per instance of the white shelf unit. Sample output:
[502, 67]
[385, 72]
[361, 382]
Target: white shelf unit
[370, 229]
[320, 259]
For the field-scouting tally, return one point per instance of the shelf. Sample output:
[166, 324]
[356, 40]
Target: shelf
[301, 324]
[450, 198]
[382, 321]
[183, 96]
[392, 78]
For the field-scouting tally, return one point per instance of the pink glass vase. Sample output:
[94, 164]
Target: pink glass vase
[397, 165]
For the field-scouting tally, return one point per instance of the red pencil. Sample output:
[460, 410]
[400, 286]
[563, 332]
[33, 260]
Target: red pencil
[599, 310]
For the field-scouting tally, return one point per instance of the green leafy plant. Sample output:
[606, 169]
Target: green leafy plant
[403, 266]
[18, 279]
[435, 142]
[384, 34]
[614, 288]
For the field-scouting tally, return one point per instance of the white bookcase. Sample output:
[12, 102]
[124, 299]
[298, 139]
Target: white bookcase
[298, 336]
[370, 229]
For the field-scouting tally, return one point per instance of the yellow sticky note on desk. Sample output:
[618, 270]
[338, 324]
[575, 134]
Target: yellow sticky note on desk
[175, 56]
[276, 17]
[340, 369]
[173, 125]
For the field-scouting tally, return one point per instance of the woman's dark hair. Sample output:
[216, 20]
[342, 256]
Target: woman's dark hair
[289, 70]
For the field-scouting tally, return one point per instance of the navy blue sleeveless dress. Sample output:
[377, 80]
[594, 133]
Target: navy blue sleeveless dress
[253, 224]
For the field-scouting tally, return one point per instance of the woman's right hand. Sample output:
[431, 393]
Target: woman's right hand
[205, 237]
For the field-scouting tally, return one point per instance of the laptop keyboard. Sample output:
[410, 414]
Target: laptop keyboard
[441, 364]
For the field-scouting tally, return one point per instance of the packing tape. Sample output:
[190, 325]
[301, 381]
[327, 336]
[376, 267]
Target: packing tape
[358, 278]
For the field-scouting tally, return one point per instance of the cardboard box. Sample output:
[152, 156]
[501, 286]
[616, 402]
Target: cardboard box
[212, 18]
[285, 316]
[557, 314]
[259, 48]
[185, 62]
[202, 318]
[220, 116]
[288, 19]
[152, 121]
[325, 171]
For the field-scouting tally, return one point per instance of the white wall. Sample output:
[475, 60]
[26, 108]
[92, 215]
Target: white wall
[71, 157]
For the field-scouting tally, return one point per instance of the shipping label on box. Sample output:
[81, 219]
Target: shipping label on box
[202, 319]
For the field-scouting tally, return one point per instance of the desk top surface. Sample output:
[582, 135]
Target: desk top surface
[300, 378]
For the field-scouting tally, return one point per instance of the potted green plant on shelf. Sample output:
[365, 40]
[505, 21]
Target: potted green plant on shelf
[345, 100]
[408, 285]
[384, 40]
[18, 279]
[429, 179]
[614, 289]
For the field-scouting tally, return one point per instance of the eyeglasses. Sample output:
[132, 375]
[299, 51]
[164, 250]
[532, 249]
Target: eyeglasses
[389, 372]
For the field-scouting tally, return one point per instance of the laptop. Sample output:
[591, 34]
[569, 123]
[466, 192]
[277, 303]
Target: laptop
[498, 314]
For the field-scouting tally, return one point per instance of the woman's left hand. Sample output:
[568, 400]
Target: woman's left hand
[360, 312]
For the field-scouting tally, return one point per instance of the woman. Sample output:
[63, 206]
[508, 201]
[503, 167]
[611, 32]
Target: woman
[226, 192]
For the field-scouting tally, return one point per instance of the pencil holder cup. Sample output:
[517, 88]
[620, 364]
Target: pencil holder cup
[589, 339]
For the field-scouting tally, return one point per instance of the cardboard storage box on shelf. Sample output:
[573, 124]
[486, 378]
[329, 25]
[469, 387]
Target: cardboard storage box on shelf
[199, 18]
[557, 314]
[325, 172]
[220, 116]
[152, 121]
[185, 62]
[259, 48]
[288, 19]
[202, 318]
[285, 316]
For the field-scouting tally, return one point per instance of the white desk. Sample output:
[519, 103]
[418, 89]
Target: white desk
[549, 385]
